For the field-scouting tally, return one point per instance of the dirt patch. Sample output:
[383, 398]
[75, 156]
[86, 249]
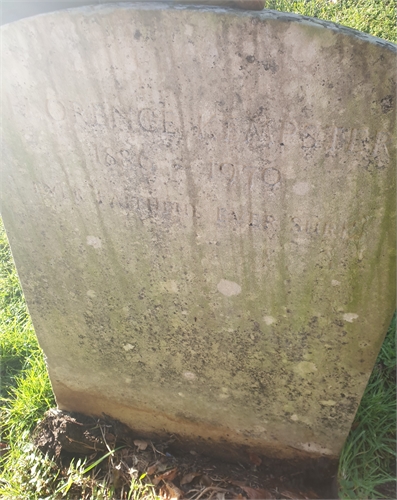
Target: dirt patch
[388, 490]
[176, 471]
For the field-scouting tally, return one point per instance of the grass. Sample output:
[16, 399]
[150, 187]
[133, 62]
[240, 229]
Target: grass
[368, 460]
[376, 17]
[25, 396]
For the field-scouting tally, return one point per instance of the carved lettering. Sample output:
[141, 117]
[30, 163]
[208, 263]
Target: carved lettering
[249, 171]
[254, 220]
[121, 120]
[123, 157]
[229, 171]
[247, 174]
[296, 224]
[128, 158]
[326, 229]
[352, 141]
[289, 129]
[270, 223]
[380, 150]
[252, 132]
[150, 120]
[329, 230]
[157, 120]
[241, 218]
[153, 205]
[154, 209]
[258, 132]
[221, 215]
[146, 163]
[336, 140]
[312, 227]
[211, 171]
[171, 208]
[54, 194]
[271, 176]
[109, 159]
[308, 135]
[169, 124]
[208, 125]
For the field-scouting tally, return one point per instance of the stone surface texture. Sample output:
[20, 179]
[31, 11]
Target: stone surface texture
[201, 203]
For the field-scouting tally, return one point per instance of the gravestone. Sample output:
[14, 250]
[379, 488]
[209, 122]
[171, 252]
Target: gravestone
[200, 203]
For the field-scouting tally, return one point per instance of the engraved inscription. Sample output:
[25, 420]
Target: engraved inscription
[249, 175]
[243, 218]
[150, 120]
[109, 159]
[233, 218]
[257, 131]
[327, 228]
[353, 137]
[146, 163]
[229, 172]
[56, 194]
[125, 157]
[154, 208]
[346, 139]
[271, 176]
[380, 151]
[157, 120]
[307, 136]
[261, 131]
[288, 130]
[129, 159]
[372, 146]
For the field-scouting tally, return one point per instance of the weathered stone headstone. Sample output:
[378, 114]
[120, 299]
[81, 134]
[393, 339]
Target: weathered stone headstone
[200, 203]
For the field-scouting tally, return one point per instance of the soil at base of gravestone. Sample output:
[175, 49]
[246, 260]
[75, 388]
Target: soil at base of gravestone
[174, 473]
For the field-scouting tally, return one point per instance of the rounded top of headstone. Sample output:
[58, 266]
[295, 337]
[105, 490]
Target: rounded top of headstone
[12, 12]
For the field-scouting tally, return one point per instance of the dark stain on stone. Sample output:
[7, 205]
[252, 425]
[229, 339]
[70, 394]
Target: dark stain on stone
[270, 65]
[387, 103]
[137, 35]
